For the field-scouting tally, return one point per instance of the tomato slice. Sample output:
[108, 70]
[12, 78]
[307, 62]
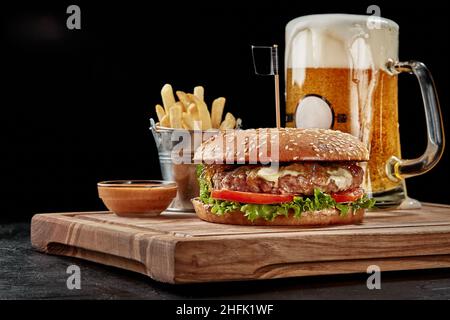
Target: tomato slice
[348, 195]
[251, 197]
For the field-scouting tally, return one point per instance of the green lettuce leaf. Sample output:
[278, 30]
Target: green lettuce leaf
[319, 201]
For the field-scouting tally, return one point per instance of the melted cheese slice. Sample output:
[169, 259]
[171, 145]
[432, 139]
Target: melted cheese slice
[341, 177]
[273, 174]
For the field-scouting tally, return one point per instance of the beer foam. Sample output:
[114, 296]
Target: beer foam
[341, 41]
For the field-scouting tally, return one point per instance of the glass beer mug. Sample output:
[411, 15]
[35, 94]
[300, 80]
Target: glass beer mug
[341, 73]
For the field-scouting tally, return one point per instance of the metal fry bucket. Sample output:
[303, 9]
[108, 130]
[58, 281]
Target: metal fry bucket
[182, 169]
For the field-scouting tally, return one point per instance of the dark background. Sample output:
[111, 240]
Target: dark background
[76, 103]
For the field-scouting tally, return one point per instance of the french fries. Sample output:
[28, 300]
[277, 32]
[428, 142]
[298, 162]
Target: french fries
[165, 121]
[191, 111]
[199, 92]
[229, 122]
[188, 121]
[216, 112]
[203, 113]
[175, 115]
[167, 97]
[160, 113]
[182, 96]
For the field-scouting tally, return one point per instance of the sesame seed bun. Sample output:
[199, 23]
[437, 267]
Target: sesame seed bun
[314, 218]
[244, 146]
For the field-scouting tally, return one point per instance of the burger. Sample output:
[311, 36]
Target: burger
[284, 176]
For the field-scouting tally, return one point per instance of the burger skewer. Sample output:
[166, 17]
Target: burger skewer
[274, 71]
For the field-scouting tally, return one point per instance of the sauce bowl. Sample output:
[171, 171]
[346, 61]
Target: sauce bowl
[137, 198]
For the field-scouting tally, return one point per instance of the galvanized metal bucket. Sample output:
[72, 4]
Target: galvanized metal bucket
[168, 142]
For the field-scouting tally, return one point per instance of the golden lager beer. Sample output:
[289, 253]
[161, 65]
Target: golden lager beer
[341, 73]
[346, 90]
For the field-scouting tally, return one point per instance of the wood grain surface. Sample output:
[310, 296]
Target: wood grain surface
[180, 248]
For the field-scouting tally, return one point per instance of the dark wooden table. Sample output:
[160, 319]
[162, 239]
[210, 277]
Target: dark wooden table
[27, 274]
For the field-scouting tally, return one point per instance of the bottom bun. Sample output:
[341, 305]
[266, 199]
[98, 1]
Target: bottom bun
[310, 218]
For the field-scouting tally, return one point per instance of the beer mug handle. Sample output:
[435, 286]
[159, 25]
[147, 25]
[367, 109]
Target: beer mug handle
[404, 168]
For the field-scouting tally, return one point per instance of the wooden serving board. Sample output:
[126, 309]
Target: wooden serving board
[179, 248]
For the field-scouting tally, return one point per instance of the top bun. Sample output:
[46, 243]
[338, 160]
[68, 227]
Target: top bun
[255, 145]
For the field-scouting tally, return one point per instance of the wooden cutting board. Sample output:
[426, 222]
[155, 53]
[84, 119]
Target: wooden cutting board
[179, 248]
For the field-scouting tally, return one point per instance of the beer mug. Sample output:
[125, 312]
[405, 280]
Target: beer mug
[341, 73]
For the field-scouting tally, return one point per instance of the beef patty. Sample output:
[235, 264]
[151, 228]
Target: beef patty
[297, 178]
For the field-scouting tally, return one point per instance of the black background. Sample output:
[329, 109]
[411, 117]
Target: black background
[76, 103]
